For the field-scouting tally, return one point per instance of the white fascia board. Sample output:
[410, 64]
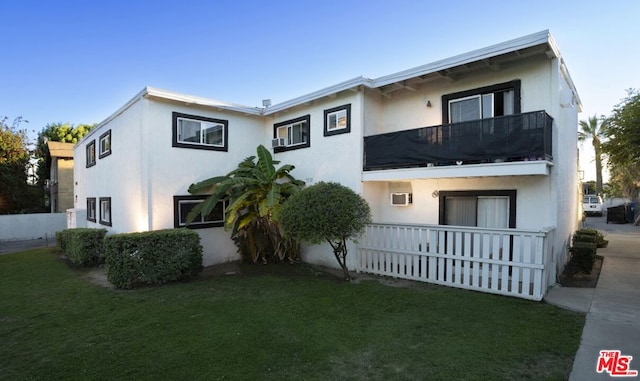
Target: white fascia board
[176, 97]
[543, 37]
[122, 109]
[346, 85]
[206, 102]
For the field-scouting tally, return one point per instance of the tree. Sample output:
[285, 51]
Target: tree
[56, 132]
[255, 192]
[326, 212]
[14, 159]
[623, 131]
[592, 128]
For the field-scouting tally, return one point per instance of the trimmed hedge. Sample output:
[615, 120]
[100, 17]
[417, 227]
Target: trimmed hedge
[83, 247]
[154, 257]
[583, 256]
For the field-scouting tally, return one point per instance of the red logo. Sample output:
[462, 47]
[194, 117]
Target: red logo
[615, 363]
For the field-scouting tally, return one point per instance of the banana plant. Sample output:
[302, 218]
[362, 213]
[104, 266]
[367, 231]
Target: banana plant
[255, 192]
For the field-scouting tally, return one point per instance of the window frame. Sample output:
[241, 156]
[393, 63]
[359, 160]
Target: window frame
[90, 154]
[511, 193]
[91, 209]
[106, 200]
[511, 85]
[224, 147]
[339, 130]
[196, 225]
[104, 137]
[289, 123]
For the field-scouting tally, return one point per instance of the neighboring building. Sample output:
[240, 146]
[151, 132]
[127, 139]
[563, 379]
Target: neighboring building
[468, 159]
[60, 176]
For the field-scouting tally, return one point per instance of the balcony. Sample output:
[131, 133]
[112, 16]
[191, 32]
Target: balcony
[508, 145]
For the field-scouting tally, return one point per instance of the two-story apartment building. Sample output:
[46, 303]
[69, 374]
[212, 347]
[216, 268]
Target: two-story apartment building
[469, 164]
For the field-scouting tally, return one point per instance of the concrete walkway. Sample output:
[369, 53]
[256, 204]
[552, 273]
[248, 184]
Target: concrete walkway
[613, 307]
[7, 247]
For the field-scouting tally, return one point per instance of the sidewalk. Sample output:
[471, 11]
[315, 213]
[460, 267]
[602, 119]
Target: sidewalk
[7, 247]
[613, 307]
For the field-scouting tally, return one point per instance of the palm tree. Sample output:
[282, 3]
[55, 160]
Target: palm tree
[255, 192]
[593, 128]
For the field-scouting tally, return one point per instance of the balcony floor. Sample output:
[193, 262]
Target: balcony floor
[514, 168]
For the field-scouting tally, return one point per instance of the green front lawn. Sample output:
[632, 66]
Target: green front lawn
[293, 323]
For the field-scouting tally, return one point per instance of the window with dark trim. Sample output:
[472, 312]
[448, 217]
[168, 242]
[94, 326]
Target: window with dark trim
[104, 145]
[337, 120]
[91, 209]
[199, 132]
[182, 205]
[484, 102]
[91, 154]
[292, 134]
[105, 210]
[484, 208]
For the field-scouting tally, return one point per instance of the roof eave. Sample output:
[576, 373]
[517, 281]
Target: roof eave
[524, 42]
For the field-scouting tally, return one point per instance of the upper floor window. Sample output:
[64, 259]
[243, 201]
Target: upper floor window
[182, 205]
[105, 211]
[485, 102]
[337, 120]
[291, 134]
[191, 131]
[105, 144]
[91, 154]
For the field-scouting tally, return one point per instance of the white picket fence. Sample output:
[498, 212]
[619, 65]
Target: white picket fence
[511, 262]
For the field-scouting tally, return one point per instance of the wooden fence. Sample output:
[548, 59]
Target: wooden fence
[511, 262]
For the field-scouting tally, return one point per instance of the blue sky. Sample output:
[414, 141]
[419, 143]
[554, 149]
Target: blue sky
[79, 61]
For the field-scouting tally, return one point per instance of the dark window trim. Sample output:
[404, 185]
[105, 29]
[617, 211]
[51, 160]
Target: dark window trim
[194, 225]
[89, 199]
[345, 130]
[179, 144]
[93, 162]
[108, 152]
[305, 118]
[103, 222]
[515, 85]
[512, 194]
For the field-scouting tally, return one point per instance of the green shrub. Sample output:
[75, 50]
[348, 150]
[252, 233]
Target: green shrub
[587, 231]
[154, 257]
[600, 241]
[579, 237]
[83, 247]
[583, 256]
[61, 240]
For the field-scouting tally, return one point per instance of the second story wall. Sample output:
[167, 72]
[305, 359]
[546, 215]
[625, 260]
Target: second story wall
[408, 109]
[331, 155]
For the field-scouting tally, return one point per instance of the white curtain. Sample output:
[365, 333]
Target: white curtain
[493, 212]
[460, 211]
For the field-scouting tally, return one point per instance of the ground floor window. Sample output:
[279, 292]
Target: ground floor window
[485, 208]
[182, 205]
[91, 209]
[105, 211]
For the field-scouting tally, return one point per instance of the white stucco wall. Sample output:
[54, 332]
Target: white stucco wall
[31, 226]
[171, 172]
[118, 175]
[336, 158]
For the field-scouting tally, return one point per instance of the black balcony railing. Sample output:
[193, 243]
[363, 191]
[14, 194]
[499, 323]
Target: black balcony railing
[518, 137]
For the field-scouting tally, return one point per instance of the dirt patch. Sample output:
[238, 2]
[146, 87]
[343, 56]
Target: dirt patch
[580, 279]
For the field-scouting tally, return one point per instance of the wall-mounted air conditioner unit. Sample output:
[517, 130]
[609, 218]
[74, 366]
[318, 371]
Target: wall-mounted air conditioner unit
[277, 143]
[401, 199]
